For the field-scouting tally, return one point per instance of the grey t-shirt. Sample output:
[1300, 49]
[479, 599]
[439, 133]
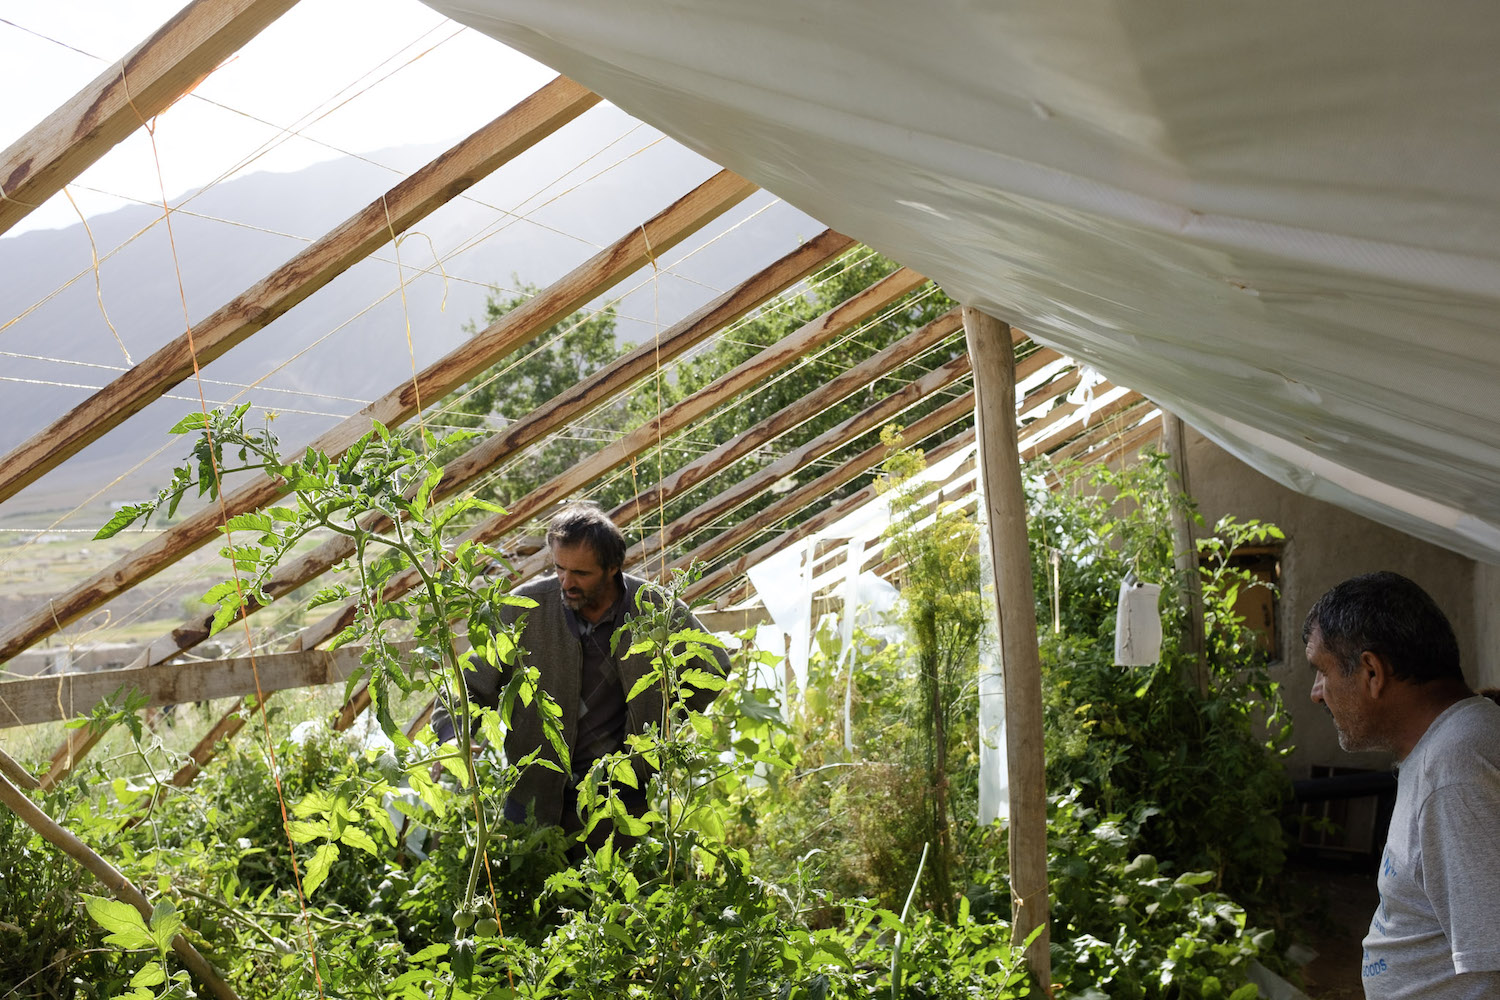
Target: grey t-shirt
[1436, 934]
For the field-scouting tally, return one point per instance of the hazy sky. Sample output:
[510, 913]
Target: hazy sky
[358, 76]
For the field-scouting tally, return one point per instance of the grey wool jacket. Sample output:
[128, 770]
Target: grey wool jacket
[548, 644]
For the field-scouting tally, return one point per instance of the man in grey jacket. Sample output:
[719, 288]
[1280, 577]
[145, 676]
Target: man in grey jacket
[567, 637]
[1386, 668]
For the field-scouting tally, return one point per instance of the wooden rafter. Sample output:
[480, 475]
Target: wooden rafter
[836, 389]
[724, 575]
[872, 417]
[589, 394]
[379, 222]
[806, 494]
[53, 699]
[517, 327]
[674, 418]
[124, 97]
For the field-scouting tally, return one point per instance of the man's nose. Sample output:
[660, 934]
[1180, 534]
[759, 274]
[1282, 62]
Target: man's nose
[1317, 690]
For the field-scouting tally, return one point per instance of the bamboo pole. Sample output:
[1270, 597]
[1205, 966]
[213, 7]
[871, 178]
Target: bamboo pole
[995, 388]
[410, 201]
[113, 879]
[629, 253]
[1185, 553]
[167, 65]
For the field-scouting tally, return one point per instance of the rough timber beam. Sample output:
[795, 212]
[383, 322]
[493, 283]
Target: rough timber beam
[724, 575]
[1005, 501]
[808, 493]
[385, 218]
[588, 394]
[66, 696]
[872, 417]
[517, 327]
[124, 97]
[835, 390]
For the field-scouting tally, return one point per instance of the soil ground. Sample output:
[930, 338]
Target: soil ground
[1349, 897]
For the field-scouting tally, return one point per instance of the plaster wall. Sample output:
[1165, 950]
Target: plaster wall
[1325, 545]
[1487, 624]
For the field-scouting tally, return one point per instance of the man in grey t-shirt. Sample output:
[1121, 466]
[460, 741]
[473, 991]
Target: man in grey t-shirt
[1387, 669]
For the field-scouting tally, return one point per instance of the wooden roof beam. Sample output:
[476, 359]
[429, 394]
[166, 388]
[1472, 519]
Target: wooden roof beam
[404, 205]
[872, 417]
[727, 573]
[506, 444]
[671, 420]
[137, 88]
[838, 388]
[797, 499]
[626, 255]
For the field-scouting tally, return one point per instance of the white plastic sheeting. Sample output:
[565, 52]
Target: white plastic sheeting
[1280, 220]
[1138, 624]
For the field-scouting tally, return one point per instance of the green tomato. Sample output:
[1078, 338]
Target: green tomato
[487, 927]
[485, 909]
[463, 919]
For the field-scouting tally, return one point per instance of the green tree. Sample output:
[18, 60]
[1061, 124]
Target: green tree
[556, 360]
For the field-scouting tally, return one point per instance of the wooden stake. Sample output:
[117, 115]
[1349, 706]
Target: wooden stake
[995, 389]
[113, 880]
[170, 63]
[1185, 553]
[452, 173]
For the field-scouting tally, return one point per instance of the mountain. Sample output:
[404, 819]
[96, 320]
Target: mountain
[350, 341]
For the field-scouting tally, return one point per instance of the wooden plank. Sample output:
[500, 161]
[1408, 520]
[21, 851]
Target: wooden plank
[66, 696]
[872, 417]
[806, 494]
[671, 420]
[589, 394]
[158, 71]
[735, 568]
[1005, 502]
[516, 328]
[410, 201]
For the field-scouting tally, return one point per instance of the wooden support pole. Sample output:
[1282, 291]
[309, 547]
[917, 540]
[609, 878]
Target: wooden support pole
[167, 65]
[385, 218]
[632, 251]
[735, 568]
[30, 814]
[1000, 464]
[16, 773]
[587, 395]
[1185, 553]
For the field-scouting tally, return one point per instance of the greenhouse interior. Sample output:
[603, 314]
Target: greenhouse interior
[507, 499]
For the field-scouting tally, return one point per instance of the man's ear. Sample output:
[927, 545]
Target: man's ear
[1375, 673]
